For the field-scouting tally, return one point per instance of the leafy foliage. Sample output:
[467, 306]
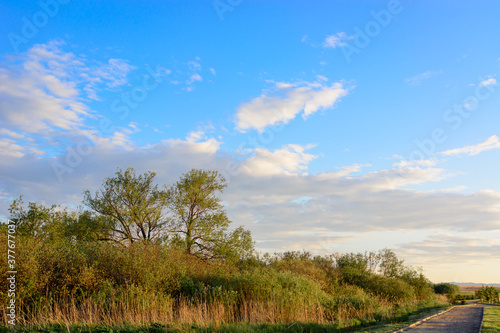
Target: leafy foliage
[133, 206]
[488, 294]
[449, 289]
[199, 218]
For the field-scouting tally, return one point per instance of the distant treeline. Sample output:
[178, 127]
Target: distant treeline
[140, 254]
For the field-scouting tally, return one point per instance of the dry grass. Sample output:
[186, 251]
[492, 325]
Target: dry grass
[139, 312]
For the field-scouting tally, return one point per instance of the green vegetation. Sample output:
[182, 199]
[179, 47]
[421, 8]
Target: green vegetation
[453, 293]
[450, 290]
[145, 258]
[491, 320]
[488, 294]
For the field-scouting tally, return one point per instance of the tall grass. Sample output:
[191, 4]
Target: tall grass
[140, 308]
[92, 283]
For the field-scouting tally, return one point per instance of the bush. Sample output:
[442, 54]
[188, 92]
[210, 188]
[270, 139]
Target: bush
[488, 294]
[448, 289]
[392, 288]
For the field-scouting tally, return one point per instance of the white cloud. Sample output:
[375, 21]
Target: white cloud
[347, 170]
[195, 65]
[321, 78]
[425, 163]
[9, 148]
[193, 78]
[493, 142]
[418, 79]
[285, 103]
[35, 98]
[114, 73]
[398, 178]
[196, 142]
[210, 146]
[487, 82]
[264, 194]
[268, 205]
[194, 68]
[444, 247]
[337, 40]
[46, 93]
[288, 160]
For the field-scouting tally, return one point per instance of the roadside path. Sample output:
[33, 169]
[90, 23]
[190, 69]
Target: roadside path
[461, 319]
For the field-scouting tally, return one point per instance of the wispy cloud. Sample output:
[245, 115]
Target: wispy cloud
[336, 40]
[193, 78]
[493, 142]
[454, 249]
[41, 93]
[194, 68]
[419, 78]
[425, 163]
[285, 101]
[48, 91]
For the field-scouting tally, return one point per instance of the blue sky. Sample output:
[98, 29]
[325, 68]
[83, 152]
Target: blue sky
[340, 125]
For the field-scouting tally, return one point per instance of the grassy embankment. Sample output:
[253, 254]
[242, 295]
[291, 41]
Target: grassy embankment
[91, 286]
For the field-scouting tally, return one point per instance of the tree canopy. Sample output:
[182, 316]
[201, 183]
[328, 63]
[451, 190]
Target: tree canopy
[200, 220]
[188, 214]
[134, 206]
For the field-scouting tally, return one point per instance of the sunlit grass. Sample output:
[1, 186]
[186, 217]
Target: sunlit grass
[491, 321]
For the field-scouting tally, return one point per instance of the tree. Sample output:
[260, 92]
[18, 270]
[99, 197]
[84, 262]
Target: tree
[133, 207]
[355, 262]
[445, 288]
[38, 221]
[199, 218]
[390, 265]
[54, 224]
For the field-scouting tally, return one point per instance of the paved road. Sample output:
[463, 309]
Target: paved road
[462, 319]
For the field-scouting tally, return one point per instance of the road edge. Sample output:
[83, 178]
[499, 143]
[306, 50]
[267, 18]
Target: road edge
[482, 318]
[425, 319]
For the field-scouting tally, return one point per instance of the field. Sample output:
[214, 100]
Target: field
[491, 321]
[472, 289]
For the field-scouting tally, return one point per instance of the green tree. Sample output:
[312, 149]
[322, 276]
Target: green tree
[200, 220]
[53, 223]
[446, 288]
[38, 221]
[133, 207]
[390, 264]
[352, 262]
[416, 278]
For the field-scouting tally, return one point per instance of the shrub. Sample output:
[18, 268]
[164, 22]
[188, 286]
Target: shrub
[488, 294]
[392, 288]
